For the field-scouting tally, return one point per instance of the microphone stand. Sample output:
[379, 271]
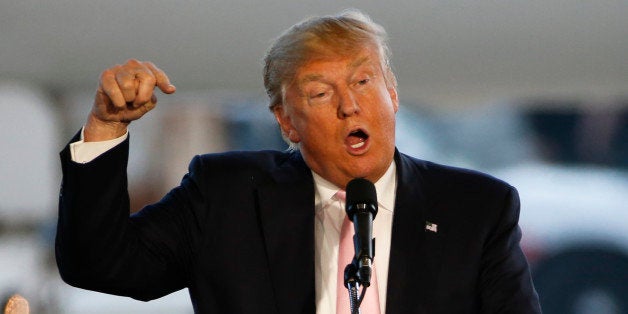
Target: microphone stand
[352, 282]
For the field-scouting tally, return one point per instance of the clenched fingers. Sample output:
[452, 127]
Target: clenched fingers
[146, 83]
[133, 82]
[109, 87]
[127, 84]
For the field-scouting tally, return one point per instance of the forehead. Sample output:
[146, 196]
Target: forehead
[329, 64]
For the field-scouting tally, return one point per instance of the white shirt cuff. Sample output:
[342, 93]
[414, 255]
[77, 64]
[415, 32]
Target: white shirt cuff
[84, 152]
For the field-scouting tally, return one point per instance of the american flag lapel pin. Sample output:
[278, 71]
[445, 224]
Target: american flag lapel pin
[430, 226]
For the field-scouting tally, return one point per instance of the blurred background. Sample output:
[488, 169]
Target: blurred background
[533, 92]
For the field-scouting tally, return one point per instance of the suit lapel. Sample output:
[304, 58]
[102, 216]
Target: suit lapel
[414, 252]
[287, 219]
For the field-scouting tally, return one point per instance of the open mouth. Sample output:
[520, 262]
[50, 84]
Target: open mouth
[357, 139]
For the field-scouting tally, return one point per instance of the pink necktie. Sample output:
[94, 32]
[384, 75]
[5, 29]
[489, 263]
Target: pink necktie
[346, 251]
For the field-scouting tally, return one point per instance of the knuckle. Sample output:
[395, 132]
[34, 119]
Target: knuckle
[151, 80]
[157, 71]
[127, 84]
[133, 62]
[106, 74]
[110, 92]
[106, 89]
[141, 99]
[147, 81]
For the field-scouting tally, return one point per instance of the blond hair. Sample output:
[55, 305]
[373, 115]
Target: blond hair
[319, 37]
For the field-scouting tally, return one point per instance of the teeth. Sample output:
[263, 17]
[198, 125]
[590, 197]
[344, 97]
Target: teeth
[358, 145]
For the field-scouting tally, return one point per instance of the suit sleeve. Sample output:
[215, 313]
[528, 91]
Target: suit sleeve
[100, 247]
[505, 282]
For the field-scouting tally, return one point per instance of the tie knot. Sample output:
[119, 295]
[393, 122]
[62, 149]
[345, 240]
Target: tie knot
[341, 195]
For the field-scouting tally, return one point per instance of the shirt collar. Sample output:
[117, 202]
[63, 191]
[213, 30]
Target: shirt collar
[386, 188]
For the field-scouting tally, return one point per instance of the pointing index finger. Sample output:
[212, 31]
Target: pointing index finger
[162, 80]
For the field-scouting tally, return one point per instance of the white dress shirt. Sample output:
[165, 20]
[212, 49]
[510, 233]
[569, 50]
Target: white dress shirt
[326, 231]
[327, 234]
[84, 152]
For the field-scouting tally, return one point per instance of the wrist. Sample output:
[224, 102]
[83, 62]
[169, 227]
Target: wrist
[97, 130]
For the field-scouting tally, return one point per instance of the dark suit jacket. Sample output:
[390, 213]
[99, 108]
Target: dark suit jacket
[239, 233]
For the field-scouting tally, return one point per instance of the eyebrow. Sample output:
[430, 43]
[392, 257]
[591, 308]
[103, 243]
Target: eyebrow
[317, 77]
[358, 62]
[311, 78]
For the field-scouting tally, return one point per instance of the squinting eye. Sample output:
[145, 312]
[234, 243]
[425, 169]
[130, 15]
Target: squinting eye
[364, 81]
[319, 95]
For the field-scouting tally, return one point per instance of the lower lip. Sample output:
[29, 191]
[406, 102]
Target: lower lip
[360, 150]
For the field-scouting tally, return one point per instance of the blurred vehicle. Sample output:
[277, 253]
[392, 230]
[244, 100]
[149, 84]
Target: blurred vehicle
[575, 226]
[573, 184]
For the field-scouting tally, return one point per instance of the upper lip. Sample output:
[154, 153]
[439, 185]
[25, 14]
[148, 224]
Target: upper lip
[360, 131]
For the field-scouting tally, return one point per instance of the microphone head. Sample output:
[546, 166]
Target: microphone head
[361, 191]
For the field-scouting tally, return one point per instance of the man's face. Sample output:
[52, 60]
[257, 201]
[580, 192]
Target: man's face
[342, 113]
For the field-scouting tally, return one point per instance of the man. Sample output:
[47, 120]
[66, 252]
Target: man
[259, 232]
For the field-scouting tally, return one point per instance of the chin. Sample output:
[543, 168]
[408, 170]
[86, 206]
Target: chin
[371, 168]
[365, 171]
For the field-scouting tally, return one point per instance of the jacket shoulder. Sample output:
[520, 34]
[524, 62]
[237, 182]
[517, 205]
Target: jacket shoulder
[264, 158]
[238, 165]
[439, 177]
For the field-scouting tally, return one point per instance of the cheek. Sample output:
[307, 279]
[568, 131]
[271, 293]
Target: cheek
[314, 118]
[319, 133]
[386, 119]
[303, 126]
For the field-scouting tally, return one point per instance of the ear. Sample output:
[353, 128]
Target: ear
[285, 123]
[392, 91]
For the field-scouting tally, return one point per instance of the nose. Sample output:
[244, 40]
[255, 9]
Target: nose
[347, 104]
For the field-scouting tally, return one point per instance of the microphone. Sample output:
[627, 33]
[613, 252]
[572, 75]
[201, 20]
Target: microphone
[361, 208]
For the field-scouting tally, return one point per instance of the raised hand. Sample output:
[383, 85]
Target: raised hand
[125, 93]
